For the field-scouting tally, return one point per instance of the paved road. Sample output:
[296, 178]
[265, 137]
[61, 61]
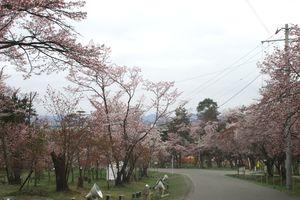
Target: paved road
[214, 185]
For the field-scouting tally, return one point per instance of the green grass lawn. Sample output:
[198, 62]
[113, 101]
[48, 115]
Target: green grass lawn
[178, 188]
[273, 182]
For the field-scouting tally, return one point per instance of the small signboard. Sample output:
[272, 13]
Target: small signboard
[111, 172]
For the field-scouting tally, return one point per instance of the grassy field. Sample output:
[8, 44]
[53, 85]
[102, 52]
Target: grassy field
[273, 182]
[178, 188]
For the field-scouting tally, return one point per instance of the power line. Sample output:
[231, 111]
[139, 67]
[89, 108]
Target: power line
[219, 72]
[257, 16]
[233, 65]
[240, 91]
[246, 62]
[223, 91]
[220, 76]
[196, 77]
[226, 68]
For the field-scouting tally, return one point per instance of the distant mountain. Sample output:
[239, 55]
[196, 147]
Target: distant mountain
[52, 120]
[193, 117]
[149, 119]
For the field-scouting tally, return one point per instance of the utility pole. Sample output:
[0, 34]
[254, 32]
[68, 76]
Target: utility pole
[288, 152]
[287, 132]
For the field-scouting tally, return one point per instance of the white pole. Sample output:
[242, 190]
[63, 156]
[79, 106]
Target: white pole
[172, 164]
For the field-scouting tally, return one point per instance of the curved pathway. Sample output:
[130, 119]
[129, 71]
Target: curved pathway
[214, 185]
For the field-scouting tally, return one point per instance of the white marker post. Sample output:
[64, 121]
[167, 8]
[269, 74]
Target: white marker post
[172, 161]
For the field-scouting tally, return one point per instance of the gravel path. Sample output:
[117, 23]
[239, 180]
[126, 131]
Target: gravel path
[214, 185]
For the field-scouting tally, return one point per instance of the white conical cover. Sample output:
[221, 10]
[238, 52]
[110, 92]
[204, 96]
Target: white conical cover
[160, 185]
[95, 192]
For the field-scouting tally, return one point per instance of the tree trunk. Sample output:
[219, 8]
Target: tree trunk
[49, 175]
[202, 161]
[179, 161]
[288, 160]
[251, 162]
[121, 174]
[283, 174]
[80, 179]
[209, 163]
[128, 175]
[131, 163]
[288, 169]
[119, 179]
[35, 177]
[72, 174]
[231, 163]
[196, 162]
[240, 161]
[97, 170]
[59, 162]
[219, 160]
[16, 171]
[8, 170]
[35, 172]
[269, 164]
[296, 166]
[144, 171]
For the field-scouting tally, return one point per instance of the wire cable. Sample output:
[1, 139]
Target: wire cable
[234, 64]
[240, 91]
[219, 72]
[257, 16]
[196, 77]
[222, 91]
[219, 77]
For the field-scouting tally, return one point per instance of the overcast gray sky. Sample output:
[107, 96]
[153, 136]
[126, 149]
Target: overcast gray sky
[202, 45]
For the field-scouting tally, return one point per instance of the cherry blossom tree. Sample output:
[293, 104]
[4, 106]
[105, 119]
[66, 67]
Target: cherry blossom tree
[119, 109]
[179, 139]
[16, 132]
[66, 134]
[37, 36]
[208, 143]
[227, 140]
[219, 140]
[280, 97]
[13, 140]
[150, 148]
